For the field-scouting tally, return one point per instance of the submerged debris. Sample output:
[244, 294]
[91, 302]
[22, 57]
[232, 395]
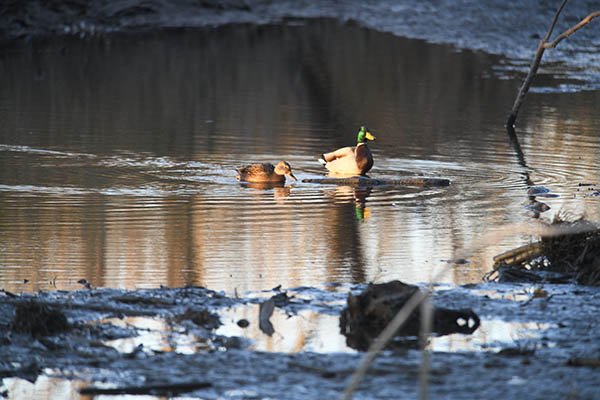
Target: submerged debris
[571, 255]
[266, 309]
[243, 323]
[537, 190]
[200, 317]
[38, 319]
[282, 299]
[368, 313]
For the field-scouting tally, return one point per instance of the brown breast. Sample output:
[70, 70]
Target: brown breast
[364, 158]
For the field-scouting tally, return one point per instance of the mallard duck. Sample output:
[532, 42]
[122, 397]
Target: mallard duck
[265, 172]
[356, 160]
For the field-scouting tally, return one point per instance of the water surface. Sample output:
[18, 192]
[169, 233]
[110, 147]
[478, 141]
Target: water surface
[118, 156]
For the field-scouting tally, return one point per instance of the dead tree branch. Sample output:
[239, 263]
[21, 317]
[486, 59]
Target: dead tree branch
[543, 45]
[572, 30]
[510, 123]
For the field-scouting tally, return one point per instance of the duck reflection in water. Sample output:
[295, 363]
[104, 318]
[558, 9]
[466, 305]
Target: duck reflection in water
[280, 191]
[358, 195]
[361, 211]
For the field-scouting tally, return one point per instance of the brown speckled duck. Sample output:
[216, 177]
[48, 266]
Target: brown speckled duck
[356, 160]
[265, 172]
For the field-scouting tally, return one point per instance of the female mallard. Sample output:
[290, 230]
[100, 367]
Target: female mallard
[265, 172]
[356, 160]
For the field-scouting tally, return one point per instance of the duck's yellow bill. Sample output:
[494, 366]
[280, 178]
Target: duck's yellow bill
[369, 136]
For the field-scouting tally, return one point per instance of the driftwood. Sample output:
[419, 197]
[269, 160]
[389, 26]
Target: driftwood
[366, 181]
[543, 45]
[573, 253]
[519, 255]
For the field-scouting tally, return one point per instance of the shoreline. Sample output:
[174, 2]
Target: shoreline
[83, 353]
[489, 28]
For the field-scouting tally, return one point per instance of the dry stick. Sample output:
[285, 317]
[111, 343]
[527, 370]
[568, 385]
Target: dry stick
[510, 123]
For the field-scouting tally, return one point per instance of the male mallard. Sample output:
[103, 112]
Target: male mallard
[356, 160]
[265, 172]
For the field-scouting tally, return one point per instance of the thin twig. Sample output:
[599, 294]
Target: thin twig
[554, 21]
[572, 30]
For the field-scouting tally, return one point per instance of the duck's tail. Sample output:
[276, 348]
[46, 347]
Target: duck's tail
[322, 160]
[239, 171]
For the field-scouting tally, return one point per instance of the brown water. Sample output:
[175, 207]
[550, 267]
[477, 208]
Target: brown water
[117, 158]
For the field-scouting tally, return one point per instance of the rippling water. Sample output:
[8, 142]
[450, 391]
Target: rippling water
[118, 156]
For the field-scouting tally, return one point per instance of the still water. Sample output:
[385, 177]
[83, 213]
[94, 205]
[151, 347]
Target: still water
[118, 156]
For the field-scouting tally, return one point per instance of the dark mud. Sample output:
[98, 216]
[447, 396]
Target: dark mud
[557, 363]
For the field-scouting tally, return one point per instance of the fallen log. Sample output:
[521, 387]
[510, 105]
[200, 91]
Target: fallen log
[366, 181]
[519, 255]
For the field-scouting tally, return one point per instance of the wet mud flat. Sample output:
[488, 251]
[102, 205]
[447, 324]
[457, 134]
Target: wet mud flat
[560, 361]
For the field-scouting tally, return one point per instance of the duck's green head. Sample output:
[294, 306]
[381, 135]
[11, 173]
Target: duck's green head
[364, 135]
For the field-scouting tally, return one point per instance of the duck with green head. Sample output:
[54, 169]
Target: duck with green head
[352, 160]
[265, 172]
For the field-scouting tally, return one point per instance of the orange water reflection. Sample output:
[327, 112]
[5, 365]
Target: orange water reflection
[118, 156]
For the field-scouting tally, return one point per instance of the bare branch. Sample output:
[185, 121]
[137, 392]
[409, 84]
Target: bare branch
[537, 59]
[572, 30]
[554, 21]
[532, 70]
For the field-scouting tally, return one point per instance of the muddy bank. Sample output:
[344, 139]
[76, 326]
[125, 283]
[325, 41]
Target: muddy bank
[488, 26]
[544, 365]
